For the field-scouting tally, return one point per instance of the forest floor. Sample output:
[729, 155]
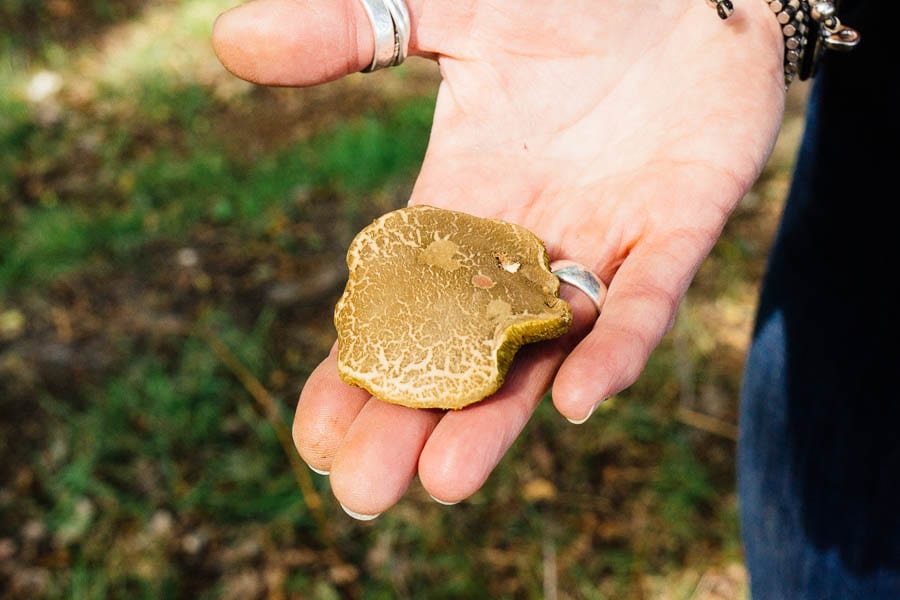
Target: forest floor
[171, 247]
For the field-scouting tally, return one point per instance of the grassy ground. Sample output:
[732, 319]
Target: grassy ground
[171, 246]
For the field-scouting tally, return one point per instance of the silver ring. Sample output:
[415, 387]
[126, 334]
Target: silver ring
[400, 16]
[384, 33]
[581, 277]
[390, 28]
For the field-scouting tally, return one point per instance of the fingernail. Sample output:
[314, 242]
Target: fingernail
[359, 516]
[587, 416]
[318, 471]
[444, 502]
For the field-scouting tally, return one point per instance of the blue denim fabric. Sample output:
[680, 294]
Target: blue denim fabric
[818, 456]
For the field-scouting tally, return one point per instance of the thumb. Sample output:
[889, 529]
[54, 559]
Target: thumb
[293, 42]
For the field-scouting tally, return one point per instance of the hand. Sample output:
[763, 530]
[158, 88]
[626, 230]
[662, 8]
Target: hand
[623, 134]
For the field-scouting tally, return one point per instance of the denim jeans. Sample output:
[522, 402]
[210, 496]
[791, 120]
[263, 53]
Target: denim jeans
[818, 456]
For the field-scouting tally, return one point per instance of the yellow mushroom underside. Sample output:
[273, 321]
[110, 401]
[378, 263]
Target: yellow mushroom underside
[438, 303]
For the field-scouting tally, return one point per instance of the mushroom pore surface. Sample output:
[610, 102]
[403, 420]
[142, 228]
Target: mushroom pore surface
[438, 303]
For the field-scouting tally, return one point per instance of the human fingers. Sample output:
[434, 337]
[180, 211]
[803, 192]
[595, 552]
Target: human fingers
[293, 43]
[377, 458]
[325, 411]
[369, 448]
[466, 445]
[639, 310]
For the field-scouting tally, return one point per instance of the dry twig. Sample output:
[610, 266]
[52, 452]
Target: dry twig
[707, 423]
[269, 407]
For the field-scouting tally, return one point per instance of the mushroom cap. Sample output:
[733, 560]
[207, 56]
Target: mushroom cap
[437, 304]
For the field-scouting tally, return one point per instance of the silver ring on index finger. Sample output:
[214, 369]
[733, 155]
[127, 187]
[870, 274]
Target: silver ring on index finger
[579, 276]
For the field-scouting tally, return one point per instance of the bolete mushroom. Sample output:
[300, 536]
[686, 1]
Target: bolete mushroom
[438, 303]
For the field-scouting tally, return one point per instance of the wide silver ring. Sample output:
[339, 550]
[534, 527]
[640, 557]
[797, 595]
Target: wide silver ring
[402, 27]
[390, 29]
[575, 274]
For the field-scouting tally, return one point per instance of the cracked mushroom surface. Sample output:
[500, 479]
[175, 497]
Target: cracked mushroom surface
[437, 304]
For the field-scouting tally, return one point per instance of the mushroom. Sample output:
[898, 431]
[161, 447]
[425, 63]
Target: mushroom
[437, 304]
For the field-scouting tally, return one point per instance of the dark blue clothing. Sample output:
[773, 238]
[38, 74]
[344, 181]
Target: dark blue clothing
[819, 458]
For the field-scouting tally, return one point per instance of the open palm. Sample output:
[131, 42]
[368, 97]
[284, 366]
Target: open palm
[623, 134]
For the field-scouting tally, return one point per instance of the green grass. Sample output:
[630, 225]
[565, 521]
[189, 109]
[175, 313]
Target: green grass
[171, 435]
[164, 193]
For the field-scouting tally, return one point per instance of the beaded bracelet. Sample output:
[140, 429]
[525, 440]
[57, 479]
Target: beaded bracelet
[809, 28]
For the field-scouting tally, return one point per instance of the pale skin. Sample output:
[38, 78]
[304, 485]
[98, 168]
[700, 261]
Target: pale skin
[623, 134]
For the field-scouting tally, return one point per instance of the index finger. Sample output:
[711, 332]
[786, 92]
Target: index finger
[639, 310]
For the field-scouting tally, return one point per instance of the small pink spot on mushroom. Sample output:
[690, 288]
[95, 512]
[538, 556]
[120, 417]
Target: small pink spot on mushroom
[482, 281]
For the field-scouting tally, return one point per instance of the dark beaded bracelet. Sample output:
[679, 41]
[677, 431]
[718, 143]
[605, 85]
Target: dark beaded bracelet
[809, 28]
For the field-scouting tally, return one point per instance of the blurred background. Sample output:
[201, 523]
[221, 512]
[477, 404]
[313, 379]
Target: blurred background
[172, 243]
